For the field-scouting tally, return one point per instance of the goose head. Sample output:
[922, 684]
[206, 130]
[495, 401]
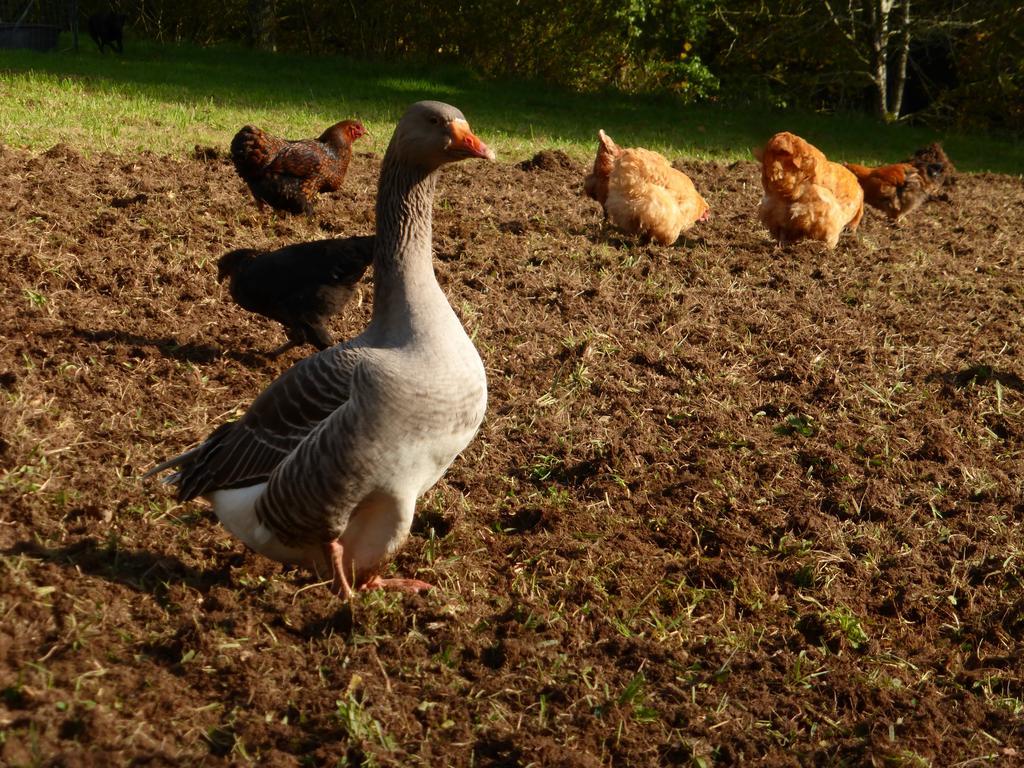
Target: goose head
[431, 134]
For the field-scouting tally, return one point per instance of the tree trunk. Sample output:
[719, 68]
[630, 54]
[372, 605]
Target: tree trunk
[896, 102]
[878, 18]
[261, 24]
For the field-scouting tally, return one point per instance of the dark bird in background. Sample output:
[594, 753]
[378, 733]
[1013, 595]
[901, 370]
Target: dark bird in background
[107, 28]
[896, 189]
[301, 286]
[286, 174]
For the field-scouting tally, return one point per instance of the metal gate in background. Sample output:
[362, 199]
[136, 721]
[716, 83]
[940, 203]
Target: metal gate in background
[37, 24]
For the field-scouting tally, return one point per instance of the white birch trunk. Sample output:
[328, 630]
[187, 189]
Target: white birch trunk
[896, 103]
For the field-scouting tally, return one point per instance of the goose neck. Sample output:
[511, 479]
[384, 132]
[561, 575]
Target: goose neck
[403, 270]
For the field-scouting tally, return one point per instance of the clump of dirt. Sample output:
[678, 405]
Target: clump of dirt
[547, 160]
[731, 503]
[64, 152]
[208, 154]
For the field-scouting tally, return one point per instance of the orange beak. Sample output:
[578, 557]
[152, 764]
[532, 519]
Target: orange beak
[465, 144]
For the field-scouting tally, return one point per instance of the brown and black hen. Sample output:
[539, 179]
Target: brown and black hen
[286, 174]
[896, 189]
[933, 162]
[301, 286]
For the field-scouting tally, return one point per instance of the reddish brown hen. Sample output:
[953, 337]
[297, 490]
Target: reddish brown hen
[895, 189]
[286, 174]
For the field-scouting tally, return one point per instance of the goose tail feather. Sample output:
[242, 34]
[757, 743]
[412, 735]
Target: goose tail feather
[173, 463]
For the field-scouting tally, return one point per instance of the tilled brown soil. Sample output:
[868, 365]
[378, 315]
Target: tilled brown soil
[730, 503]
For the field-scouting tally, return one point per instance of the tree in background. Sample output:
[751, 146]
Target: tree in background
[636, 45]
[961, 58]
[989, 60]
[262, 15]
[877, 32]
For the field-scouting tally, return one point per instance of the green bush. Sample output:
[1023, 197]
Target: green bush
[635, 45]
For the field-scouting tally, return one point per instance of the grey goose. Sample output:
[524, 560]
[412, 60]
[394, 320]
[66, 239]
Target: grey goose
[324, 468]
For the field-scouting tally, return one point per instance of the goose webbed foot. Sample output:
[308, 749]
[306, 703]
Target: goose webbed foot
[342, 586]
[339, 581]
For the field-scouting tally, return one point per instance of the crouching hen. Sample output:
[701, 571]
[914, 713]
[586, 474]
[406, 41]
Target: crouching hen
[643, 194]
[325, 467]
[287, 175]
[805, 194]
[301, 286]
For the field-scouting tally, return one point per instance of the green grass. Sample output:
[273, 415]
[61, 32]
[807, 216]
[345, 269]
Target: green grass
[170, 98]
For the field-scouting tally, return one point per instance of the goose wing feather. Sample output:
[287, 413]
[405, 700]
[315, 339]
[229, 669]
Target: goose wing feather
[246, 451]
[312, 493]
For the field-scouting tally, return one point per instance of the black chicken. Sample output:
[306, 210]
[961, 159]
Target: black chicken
[300, 286]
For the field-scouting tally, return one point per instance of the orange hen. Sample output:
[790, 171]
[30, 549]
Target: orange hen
[806, 195]
[644, 195]
[286, 174]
